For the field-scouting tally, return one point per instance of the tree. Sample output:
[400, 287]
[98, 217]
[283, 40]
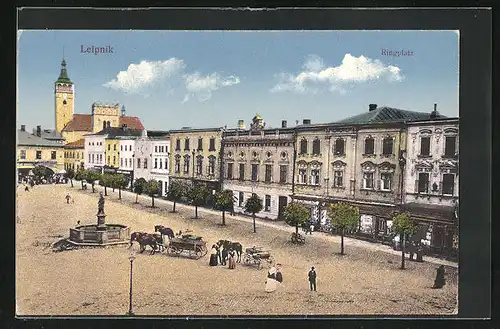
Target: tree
[253, 205]
[106, 181]
[70, 174]
[151, 189]
[343, 216]
[42, 172]
[121, 182]
[197, 196]
[81, 175]
[403, 225]
[224, 202]
[296, 214]
[92, 176]
[176, 191]
[139, 187]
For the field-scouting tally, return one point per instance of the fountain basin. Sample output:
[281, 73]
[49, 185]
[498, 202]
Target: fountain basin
[103, 235]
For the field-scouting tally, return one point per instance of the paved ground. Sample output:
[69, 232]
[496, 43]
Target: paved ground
[95, 281]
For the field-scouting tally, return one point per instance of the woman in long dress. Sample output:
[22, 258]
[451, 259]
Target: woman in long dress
[279, 275]
[231, 260]
[271, 280]
[213, 256]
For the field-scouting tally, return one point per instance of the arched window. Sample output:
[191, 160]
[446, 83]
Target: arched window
[369, 145]
[303, 146]
[339, 147]
[316, 146]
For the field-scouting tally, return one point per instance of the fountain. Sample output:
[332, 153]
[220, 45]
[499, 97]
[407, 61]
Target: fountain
[100, 235]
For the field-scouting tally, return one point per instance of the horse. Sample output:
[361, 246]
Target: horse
[165, 231]
[152, 240]
[135, 237]
[236, 246]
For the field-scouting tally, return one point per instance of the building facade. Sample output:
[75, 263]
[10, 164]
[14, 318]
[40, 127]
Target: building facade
[195, 156]
[74, 155]
[160, 161]
[259, 161]
[126, 155]
[94, 152]
[142, 158]
[432, 180]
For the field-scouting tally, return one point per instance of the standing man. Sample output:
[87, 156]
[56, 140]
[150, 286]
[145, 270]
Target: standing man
[312, 279]
[68, 197]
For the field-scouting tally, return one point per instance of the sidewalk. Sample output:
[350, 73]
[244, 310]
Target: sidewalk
[277, 225]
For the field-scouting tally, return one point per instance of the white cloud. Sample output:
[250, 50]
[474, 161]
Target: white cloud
[201, 87]
[145, 74]
[315, 76]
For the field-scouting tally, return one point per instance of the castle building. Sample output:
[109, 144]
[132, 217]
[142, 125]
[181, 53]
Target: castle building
[259, 160]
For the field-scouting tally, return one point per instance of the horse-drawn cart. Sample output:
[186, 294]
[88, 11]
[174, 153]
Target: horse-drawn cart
[194, 246]
[256, 256]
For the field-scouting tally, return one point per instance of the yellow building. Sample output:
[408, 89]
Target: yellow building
[112, 152]
[33, 150]
[73, 155]
[195, 155]
[64, 98]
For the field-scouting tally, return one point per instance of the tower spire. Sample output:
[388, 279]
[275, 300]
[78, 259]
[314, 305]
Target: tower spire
[63, 75]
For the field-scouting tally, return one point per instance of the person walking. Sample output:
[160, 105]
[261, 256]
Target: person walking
[311, 227]
[213, 256]
[312, 279]
[279, 276]
[271, 280]
[26, 188]
[68, 197]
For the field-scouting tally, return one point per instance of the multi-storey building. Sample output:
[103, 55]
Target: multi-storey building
[142, 157]
[195, 155]
[432, 179]
[33, 150]
[94, 153]
[126, 155]
[74, 155]
[160, 160]
[259, 160]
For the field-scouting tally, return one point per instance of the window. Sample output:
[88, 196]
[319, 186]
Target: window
[199, 165]
[109, 147]
[121, 162]
[283, 173]
[240, 199]
[450, 146]
[114, 147]
[386, 181]
[156, 163]
[242, 171]
[114, 160]
[448, 184]
[109, 159]
[339, 147]
[38, 155]
[229, 174]
[425, 146]
[160, 163]
[156, 148]
[212, 144]
[100, 158]
[423, 182]
[22, 154]
[121, 148]
[315, 177]
[316, 146]
[200, 144]
[166, 164]
[53, 155]
[268, 173]
[161, 149]
[104, 125]
[368, 180]
[145, 163]
[177, 164]
[302, 176]
[267, 204]
[211, 165]
[369, 145]
[303, 146]
[178, 144]
[186, 145]
[186, 164]
[338, 178]
[92, 158]
[138, 163]
[255, 169]
[387, 146]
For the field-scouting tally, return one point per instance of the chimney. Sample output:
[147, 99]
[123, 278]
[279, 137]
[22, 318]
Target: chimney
[241, 124]
[124, 127]
[372, 107]
[23, 127]
[123, 111]
[283, 124]
[435, 113]
[306, 122]
[39, 131]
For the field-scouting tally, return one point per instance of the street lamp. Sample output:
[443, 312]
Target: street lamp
[131, 259]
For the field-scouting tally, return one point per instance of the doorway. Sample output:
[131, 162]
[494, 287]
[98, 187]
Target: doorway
[282, 203]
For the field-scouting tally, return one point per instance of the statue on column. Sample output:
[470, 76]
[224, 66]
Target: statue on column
[100, 204]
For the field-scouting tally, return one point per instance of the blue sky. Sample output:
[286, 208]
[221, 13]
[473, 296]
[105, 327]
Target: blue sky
[172, 79]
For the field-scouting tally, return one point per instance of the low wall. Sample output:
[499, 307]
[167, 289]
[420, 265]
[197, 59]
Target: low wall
[90, 234]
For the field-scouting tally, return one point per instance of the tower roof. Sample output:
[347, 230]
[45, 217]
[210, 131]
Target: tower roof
[63, 76]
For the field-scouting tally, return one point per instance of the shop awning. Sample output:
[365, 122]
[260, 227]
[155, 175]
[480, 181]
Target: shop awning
[25, 167]
[431, 212]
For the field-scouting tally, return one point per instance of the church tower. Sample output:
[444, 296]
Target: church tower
[64, 97]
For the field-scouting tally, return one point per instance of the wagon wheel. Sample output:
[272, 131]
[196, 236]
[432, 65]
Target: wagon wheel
[205, 250]
[247, 260]
[173, 251]
[259, 264]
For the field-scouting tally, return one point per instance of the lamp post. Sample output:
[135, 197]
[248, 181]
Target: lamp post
[131, 259]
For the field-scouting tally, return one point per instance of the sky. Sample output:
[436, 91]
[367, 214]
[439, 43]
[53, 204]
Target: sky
[198, 79]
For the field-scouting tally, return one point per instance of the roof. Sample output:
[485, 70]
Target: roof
[25, 138]
[158, 133]
[112, 132]
[63, 76]
[76, 145]
[50, 134]
[83, 122]
[387, 114]
[190, 130]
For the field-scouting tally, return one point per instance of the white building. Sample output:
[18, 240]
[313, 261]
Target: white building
[142, 157]
[126, 157]
[432, 178]
[94, 153]
[160, 170]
